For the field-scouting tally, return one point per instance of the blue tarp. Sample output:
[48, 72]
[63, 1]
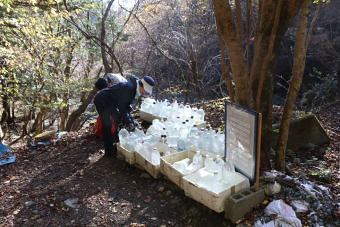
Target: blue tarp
[6, 155]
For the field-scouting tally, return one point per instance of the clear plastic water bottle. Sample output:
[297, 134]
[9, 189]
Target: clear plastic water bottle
[155, 157]
[181, 145]
[200, 114]
[163, 139]
[198, 159]
[184, 131]
[172, 141]
[123, 137]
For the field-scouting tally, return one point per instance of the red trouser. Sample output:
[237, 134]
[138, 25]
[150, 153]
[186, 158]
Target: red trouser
[97, 128]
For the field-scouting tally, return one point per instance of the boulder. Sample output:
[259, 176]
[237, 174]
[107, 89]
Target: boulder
[304, 130]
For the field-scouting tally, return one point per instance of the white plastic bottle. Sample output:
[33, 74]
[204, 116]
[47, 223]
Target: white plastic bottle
[123, 137]
[201, 115]
[155, 157]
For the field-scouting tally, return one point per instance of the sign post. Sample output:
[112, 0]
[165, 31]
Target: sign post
[258, 156]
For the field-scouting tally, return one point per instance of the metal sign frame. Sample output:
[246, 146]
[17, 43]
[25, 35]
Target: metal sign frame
[253, 178]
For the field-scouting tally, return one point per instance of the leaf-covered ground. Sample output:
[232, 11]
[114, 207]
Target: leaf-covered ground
[109, 192]
[34, 189]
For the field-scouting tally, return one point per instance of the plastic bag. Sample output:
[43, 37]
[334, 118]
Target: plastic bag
[286, 216]
[6, 155]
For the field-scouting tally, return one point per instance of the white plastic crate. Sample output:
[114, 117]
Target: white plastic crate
[214, 200]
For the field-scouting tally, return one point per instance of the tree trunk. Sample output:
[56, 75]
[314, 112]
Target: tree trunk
[187, 91]
[193, 59]
[63, 118]
[7, 110]
[225, 21]
[67, 73]
[225, 69]
[40, 121]
[297, 75]
[71, 122]
[246, 86]
[13, 113]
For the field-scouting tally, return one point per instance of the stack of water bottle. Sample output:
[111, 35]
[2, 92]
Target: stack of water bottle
[217, 174]
[214, 174]
[173, 111]
[144, 144]
[187, 136]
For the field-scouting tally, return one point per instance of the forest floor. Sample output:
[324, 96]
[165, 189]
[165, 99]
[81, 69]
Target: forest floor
[35, 190]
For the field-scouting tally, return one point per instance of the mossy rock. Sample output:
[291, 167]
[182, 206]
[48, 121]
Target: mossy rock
[306, 129]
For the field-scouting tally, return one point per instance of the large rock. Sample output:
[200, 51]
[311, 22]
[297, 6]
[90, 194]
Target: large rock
[304, 130]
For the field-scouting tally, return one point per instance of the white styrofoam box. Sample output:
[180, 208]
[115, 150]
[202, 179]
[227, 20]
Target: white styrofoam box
[170, 172]
[152, 169]
[126, 155]
[214, 200]
[148, 117]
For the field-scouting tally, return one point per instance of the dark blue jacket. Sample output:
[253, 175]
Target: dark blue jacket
[117, 98]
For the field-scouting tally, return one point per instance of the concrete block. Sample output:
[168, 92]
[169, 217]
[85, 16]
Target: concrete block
[237, 205]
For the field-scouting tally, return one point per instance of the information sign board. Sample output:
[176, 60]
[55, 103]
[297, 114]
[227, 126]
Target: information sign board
[241, 126]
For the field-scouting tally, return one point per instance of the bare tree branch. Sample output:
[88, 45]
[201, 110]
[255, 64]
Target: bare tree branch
[96, 40]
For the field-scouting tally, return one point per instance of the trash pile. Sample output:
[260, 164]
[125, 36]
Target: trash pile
[304, 197]
[285, 215]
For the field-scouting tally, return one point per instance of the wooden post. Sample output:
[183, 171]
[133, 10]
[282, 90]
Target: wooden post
[258, 156]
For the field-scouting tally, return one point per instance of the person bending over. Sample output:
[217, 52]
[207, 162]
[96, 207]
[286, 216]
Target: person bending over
[114, 102]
